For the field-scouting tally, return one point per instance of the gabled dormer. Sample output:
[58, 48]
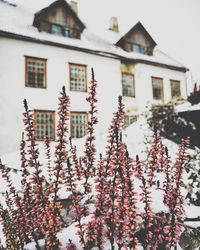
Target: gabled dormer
[137, 39]
[59, 18]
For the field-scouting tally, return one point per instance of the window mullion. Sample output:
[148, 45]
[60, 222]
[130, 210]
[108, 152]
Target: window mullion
[36, 72]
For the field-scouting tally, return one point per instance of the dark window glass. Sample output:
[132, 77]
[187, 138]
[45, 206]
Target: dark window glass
[157, 85]
[175, 88]
[139, 48]
[56, 29]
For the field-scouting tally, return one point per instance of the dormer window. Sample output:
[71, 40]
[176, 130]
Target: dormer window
[56, 29]
[137, 39]
[140, 48]
[59, 30]
[59, 19]
[66, 32]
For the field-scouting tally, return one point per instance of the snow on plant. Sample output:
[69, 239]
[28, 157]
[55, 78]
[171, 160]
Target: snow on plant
[112, 198]
[193, 185]
[10, 220]
[174, 198]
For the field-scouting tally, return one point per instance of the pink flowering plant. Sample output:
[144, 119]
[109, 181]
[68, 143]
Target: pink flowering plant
[111, 194]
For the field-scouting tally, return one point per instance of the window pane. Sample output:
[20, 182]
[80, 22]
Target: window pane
[139, 48]
[175, 88]
[136, 48]
[31, 78]
[56, 29]
[77, 78]
[44, 124]
[157, 85]
[40, 80]
[128, 85]
[66, 32]
[78, 125]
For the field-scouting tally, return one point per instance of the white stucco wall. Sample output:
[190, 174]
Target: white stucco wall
[143, 85]
[13, 90]
[107, 72]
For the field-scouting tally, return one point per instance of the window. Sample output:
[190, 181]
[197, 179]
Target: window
[129, 119]
[175, 88]
[128, 85]
[78, 78]
[45, 124]
[157, 85]
[35, 72]
[66, 32]
[139, 48]
[60, 29]
[78, 124]
[56, 29]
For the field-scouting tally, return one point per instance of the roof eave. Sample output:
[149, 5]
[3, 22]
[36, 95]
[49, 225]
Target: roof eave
[97, 52]
[57, 44]
[163, 65]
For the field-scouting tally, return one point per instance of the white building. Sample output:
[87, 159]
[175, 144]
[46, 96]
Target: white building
[40, 52]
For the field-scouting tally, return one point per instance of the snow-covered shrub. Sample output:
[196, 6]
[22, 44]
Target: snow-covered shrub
[193, 185]
[112, 198]
[169, 123]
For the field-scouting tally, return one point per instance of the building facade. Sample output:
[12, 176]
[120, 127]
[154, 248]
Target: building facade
[40, 52]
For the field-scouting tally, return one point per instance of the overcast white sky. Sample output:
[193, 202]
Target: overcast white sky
[174, 24]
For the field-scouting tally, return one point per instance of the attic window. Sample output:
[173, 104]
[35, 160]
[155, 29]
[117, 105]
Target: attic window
[67, 32]
[140, 48]
[56, 29]
[60, 30]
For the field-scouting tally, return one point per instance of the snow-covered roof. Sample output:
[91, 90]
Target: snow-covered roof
[16, 21]
[135, 27]
[187, 106]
